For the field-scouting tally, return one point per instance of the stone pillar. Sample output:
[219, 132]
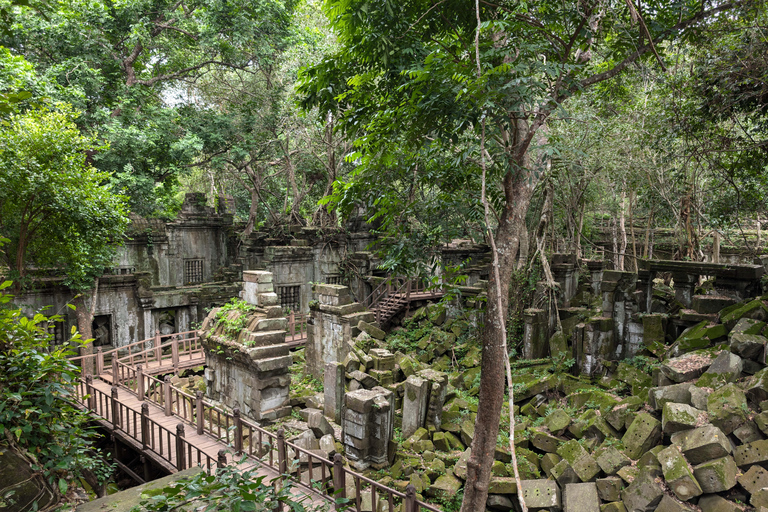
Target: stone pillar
[596, 272]
[684, 287]
[415, 403]
[368, 427]
[644, 291]
[258, 288]
[333, 387]
[437, 392]
[535, 334]
[592, 343]
[565, 272]
[333, 318]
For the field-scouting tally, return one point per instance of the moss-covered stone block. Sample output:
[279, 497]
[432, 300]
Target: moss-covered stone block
[643, 494]
[727, 408]
[716, 475]
[754, 310]
[445, 487]
[544, 442]
[583, 464]
[611, 460]
[678, 473]
[564, 474]
[642, 434]
[557, 421]
[702, 444]
[677, 417]
[549, 461]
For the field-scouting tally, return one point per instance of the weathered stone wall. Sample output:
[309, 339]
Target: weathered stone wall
[334, 321]
[249, 369]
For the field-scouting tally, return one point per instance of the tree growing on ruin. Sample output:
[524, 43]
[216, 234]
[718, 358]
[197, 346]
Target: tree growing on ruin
[405, 84]
[56, 211]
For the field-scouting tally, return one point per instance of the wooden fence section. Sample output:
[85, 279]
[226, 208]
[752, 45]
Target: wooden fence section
[146, 410]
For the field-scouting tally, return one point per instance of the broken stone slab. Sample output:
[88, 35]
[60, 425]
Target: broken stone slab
[618, 415]
[759, 499]
[678, 473]
[502, 485]
[702, 444]
[758, 387]
[676, 417]
[372, 330]
[726, 367]
[643, 494]
[580, 497]
[749, 432]
[642, 434]
[747, 326]
[727, 408]
[499, 502]
[614, 506]
[609, 488]
[366, 380]
[583, 464]
[748, 346]
[686, 367]
[716, 475]
[752, 453]
[540, 494]
[415, 402]
[716, 503]
[754, 479]
[564, 474]
[549, 461]
[467, 432]
[611, 461]
[670, 504]
[544, 442]
[754, 310]
[445, 487]
[318, 424]
[557, 421]
[677, 393]
[699, 397]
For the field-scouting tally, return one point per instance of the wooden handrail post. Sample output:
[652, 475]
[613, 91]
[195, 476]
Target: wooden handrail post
[282, 459]
[115, 376]
[222, 458]
[292, 323]
[140, 383]
[168, 396]
[175, 354]
[237, 442]
[410, 499]
[200, 412]
[145, 437]
[115, 409]
[89, 390]
[158, 352]
[180, 462]
[339, 483]
[99, 361]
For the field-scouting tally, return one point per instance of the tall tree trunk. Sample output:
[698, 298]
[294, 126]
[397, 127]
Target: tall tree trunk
[632, 229]
[252, 212]
[646, 249]
[491, 398]
[614, 243]
[579, 228]
[622, 231]
[716, 247]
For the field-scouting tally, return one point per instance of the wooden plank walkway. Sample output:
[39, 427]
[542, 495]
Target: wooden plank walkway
[174, 444]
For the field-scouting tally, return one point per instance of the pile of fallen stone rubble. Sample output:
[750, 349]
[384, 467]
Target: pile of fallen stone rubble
[686, 433]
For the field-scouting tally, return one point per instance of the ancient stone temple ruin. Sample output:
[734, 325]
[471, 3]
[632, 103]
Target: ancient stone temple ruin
[247, 360]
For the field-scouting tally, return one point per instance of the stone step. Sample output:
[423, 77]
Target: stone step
[268, 351]
[261, 338]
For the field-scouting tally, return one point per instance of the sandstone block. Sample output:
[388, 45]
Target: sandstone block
[642, 434]
[716, 475]
[643, 494]
[581, 461]
[727, 408]
[678, 474]
[754, 479]
[677, 417]
[702, 444]
[540, 494]
[609, 489]
[611, 461]
[752, 453]
[715, 503]
[580, 497]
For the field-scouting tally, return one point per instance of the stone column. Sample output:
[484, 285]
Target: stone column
[333, 387]
[368, 427]
[535, 334]
[333, 318]
[437, 392]
[415, 403]
[684, 287]
[258, 288]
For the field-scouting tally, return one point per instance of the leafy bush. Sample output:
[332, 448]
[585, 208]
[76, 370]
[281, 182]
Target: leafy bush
[229, 489]
[37, 415]
[233, 327]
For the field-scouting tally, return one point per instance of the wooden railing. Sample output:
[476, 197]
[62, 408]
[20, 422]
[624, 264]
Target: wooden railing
[308, 470]
[297, 326]
[394, 290]
[167, 446]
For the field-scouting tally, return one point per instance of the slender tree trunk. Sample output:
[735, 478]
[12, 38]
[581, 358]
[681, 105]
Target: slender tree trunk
[252, 212]
[579, 228]
[615, 244]
[646, 249]
[632, 229]
[622, 231]
[491, 398]
[716, 247]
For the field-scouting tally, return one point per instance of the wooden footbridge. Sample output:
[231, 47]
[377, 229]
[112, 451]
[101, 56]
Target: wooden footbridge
[396, 294]
[177, 430]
